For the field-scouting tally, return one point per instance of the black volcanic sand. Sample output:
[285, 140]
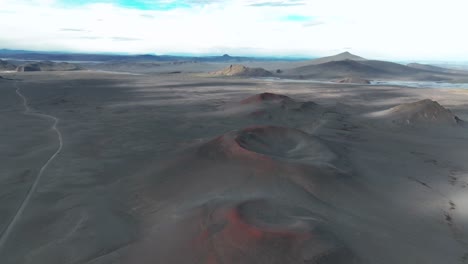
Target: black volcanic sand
[173, 168]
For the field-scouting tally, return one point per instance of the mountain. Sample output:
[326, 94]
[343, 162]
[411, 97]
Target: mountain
[337, 68]
[390, 67]
[334, 69]
[433, 68]
[338, 57]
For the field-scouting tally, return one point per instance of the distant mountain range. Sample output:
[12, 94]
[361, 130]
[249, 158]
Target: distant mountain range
[344, 67]
[63, 56]
[349, 68]
[347, 65]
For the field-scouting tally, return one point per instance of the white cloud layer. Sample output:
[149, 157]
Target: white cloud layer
[398, 29]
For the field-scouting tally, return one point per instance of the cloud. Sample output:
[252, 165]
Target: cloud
[204, 2]
[72, 29]
[313, 23]
[297, 18]
[89, 37]
[133, 4]
[108, 38]
[159, 5]
[243, 27]
[124, 39]
[278, 3]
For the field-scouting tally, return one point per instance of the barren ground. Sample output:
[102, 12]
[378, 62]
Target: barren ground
[145, 175]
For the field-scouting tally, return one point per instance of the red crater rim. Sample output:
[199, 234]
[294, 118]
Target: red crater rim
[266, 143]
[245, 231]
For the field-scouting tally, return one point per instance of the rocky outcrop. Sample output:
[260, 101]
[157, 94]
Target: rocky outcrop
[236, 70]
[354, 80]
[7, 66]
[424, 112]
[48, 66]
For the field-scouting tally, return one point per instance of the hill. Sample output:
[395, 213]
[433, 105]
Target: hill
[242, 71]
[335, 69]
[424, 112]
[427, 67]
[7, 66]
[338, 57]
[48, 66]
[437, 69]
[345, 66]
[365, 69]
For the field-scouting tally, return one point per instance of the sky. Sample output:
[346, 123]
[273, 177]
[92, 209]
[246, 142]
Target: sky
[381, 29]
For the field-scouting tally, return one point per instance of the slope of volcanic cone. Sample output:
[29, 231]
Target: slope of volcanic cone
[284, 143]
[268, 143]
[424, 112]
[267, 97]
[271, 106]
[262, 231]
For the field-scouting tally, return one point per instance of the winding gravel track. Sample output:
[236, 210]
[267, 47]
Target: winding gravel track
[27, 111]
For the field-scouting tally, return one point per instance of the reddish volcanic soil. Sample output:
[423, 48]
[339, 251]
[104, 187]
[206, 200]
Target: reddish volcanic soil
[252, 232]
[264, 143]
[234, 216]
[259, 231]
[169, 167]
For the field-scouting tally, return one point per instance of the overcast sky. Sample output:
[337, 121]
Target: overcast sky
[386, 29]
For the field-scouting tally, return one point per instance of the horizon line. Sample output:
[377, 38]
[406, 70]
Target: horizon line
[205, 55]
[175, 54]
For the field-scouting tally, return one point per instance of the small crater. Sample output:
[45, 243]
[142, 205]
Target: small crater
[268, 143]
